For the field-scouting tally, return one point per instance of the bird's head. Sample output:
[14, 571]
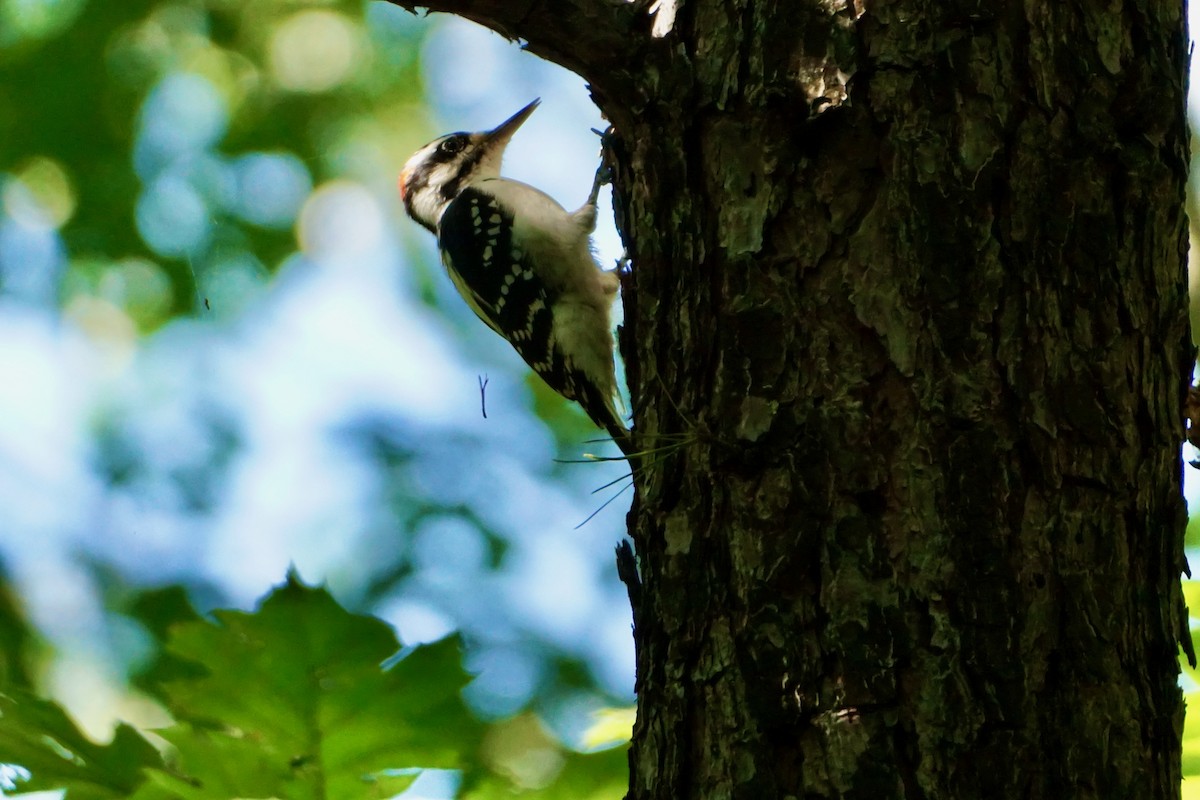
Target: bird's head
[436, 173]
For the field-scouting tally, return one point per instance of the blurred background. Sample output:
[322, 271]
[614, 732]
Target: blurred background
[224, 350]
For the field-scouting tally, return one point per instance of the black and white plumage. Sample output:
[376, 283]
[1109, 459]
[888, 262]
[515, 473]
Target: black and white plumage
[522, 262]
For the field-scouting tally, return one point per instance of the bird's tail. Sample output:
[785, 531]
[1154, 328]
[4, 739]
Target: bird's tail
[603, 412]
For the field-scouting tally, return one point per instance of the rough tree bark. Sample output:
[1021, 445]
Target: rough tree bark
[914, 272]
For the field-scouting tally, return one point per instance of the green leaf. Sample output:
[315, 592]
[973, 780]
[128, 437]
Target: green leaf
[38, 735]
[1192, 537]
[16, 640]
[594, 776]
[584, 776]
[159, 611]
[1191, 739]
[1191, 594]
[294, 703]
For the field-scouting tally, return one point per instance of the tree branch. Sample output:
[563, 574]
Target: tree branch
[600, 40]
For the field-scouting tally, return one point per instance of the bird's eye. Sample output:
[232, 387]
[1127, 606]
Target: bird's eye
[453, 145]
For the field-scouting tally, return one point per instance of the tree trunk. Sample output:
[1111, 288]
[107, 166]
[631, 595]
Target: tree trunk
[935, 339]
[912, 274]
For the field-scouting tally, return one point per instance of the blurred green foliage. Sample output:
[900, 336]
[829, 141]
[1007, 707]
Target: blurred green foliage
[100, 101]
[298, 699]
[1191, 676]
[155, 159]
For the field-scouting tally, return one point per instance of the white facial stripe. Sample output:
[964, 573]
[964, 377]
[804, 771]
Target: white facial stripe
[428, 200]
[419, 156]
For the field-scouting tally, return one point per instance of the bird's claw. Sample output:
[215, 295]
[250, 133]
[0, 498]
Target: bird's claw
[604, 173]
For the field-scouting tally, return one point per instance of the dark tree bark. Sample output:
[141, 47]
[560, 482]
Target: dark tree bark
[913, 273]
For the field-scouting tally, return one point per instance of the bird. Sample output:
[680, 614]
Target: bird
[522, 263]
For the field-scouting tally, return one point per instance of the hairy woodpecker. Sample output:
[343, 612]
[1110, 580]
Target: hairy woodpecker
[522, 262]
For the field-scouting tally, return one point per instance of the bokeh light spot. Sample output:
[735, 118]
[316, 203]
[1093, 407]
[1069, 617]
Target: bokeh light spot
[226, 286]
[137, 54]
[507, 678]
[417, 622]
[522, 749]
[235, 76]
[139, 287]
[31, 259]
[314, 51]
[182, 115]
[341, 219]
[36, 19]
[49, 188]
[106, 326]
[271, 188]
[172, 217]
[449, 551]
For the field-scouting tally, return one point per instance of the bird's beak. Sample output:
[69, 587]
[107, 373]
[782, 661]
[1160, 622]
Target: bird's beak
[497, 137]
